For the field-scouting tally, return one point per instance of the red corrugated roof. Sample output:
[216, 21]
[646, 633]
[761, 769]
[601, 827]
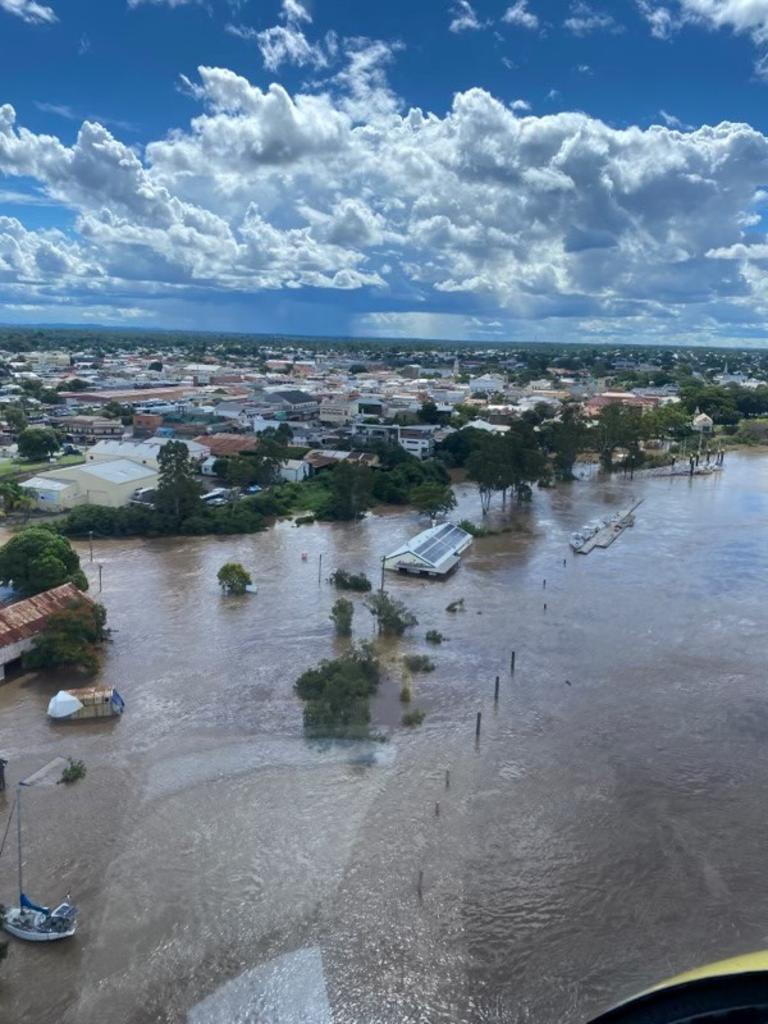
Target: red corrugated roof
[228, 444]
[26, 618]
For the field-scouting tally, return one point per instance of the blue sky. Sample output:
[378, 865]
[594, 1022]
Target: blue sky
[531, 170]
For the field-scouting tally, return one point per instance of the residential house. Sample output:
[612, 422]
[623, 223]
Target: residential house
[221, 445]
[702, 423]
[22, 621]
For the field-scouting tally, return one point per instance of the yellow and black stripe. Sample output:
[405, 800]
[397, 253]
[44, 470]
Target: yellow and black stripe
[731, 991]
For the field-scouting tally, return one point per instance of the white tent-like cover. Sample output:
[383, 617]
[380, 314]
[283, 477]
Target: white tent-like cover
[63, 705]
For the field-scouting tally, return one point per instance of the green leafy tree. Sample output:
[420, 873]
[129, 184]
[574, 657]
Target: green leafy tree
[178, 491]
[71, 637]
[233, 578]
[619, 426]
[260, 467]
[667, 421]
[282, 434]
[38, 559]
[392, 616]
[37, 443]
[116, 410]
[458, 446]
[716, 401]
[501, 462]
[16, 418]
[12, 496]
[350, 491]
[428, 413]
[341, 614]
[336, 693]
[433, 498]
[564, 440]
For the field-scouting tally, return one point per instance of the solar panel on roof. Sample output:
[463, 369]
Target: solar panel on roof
[442, 543]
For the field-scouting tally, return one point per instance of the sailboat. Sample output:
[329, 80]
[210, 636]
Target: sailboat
[29, 920]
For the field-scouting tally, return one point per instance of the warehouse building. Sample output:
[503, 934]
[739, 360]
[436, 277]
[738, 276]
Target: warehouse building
[144, 452]
[96, 483]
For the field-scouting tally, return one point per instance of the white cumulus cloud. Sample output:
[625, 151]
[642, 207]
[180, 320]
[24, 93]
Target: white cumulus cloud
[584, 19]
[465, 17]
[525, 218]
[285, 43]
[519, 14]
[743, 17]
[30, 11]
[166, 3]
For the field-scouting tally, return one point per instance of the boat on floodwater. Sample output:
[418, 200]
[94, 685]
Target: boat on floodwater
[39, 924]
[603, 532]
[30, 921]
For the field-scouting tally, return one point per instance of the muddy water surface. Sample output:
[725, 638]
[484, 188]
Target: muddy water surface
[602, 834]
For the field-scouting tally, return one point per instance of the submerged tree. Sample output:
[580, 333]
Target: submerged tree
[564, 439]
[71, 637]
[336, 693]
[350, 491]
[433, 498]
[341, 614]
[392, 617]
[233, 578]
[619, 426]
[502, 462]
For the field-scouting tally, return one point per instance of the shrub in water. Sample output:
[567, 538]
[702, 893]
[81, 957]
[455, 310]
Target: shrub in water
[343, 580]
[419, 663]
[74, 770]
[415, 717]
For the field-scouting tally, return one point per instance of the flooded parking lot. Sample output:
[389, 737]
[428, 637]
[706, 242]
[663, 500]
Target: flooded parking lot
[603, 833]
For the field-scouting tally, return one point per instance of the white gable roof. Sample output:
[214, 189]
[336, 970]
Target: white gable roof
[119, 471]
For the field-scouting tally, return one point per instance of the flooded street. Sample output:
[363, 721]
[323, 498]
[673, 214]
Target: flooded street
[601, 835]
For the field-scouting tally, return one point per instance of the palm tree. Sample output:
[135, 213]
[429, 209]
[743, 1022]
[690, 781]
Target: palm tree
[16, 499]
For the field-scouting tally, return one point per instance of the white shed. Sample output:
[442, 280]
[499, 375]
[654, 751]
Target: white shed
[433, 552]
[294, 470]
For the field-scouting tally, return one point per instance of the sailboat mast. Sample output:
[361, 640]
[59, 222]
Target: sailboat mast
[18, 833]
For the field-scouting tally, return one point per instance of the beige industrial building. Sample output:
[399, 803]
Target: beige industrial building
[144, 452]
[95, 483]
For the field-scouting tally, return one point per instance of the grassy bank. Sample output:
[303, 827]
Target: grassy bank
[19, 469]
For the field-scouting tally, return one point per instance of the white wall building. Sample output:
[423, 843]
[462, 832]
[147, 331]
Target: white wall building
[293, 471]
[95, 483]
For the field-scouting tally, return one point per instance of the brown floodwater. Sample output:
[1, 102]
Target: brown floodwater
[600, 836]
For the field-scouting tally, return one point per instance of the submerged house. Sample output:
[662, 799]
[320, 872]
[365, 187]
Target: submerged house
[22, 621]
[433, 552]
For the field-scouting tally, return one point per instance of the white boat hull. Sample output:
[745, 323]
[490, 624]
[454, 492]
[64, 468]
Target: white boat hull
[26, 925]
